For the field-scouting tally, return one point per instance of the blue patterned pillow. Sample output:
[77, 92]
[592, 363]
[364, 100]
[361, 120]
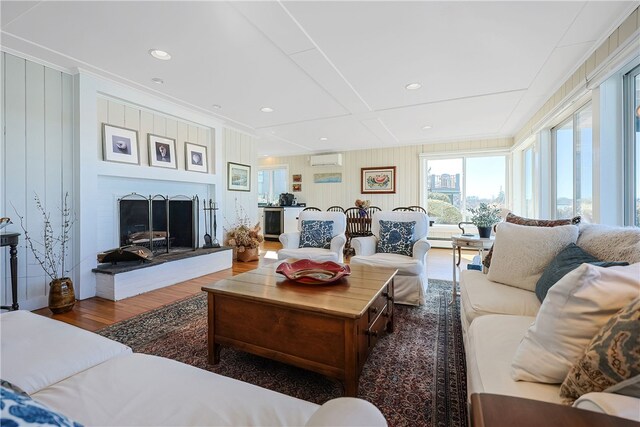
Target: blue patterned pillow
[20, 410]
[316, 234]
[396, 237]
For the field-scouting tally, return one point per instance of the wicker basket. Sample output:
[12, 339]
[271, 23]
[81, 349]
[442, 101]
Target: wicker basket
[249, 254]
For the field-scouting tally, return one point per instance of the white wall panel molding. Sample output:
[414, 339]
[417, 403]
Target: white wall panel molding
[37, 158]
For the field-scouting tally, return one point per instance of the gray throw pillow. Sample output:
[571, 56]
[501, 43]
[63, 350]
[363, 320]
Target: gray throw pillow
[316, 234]
[396, 237]
[566, 261]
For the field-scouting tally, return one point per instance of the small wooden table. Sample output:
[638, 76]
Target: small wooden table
[11, 240]
[494, 410]
[467, 241]
[329, 329]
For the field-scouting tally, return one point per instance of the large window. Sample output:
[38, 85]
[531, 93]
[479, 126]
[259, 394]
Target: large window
[573, 157]
[632, 146]
[454, 185]
[271, 182]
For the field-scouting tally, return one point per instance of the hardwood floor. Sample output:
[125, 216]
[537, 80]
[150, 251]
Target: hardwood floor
[96, 313]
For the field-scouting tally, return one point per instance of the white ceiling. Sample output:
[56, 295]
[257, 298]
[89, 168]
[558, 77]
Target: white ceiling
[329, 69]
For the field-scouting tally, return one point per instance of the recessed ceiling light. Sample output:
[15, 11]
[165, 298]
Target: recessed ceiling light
[266, 110]
[426, 127]
[324, 138]
[413, 86]
[216, 106]
[157, 81]
[160, 54]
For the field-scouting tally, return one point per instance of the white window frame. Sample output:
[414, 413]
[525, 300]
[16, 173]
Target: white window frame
[274, 167]
[425, 157]
[572, 116]
[630, 192]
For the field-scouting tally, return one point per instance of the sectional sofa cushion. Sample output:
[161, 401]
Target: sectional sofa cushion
[145, 390]
[611, 243]
[36, 352]
[613, 356]
[567, 260]
[521, 253]
[492, 341]
[572, 313]
[515, 219]
[479, 296]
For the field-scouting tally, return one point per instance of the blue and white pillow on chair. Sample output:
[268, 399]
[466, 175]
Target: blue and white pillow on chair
[396, 237]
[316, 234]
[20, 410]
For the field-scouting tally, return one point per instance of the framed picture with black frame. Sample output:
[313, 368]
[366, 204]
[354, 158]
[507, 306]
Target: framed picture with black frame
[238, 177]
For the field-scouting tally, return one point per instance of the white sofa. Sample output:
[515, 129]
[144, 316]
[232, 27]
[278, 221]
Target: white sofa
[495, 318]
[96, 381]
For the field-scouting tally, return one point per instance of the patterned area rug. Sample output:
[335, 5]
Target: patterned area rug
[416, 376]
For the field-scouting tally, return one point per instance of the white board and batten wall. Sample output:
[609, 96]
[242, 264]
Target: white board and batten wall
[239, 147]
[117, 180]
[53, 145]
[406, 159]
[37, 158]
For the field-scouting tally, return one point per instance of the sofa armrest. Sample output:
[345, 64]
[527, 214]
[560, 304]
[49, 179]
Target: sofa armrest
[290, 240]
[420, 248]
[364, 245]
[611, 404]
[347, 411]
[337, 243]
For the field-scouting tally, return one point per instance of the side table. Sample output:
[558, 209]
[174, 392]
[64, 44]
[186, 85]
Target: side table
[467, 241]
[494, 410]
[11, 240]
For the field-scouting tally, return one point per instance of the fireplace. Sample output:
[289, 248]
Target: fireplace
[161, 223]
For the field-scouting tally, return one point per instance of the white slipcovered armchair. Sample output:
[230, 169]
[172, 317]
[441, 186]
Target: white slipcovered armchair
[291, 241]
[411, 281]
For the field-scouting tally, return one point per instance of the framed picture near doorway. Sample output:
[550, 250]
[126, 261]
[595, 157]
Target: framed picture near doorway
[380, 180]
[238, 177]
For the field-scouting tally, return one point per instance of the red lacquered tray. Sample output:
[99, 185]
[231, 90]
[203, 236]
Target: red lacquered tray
[312, 272]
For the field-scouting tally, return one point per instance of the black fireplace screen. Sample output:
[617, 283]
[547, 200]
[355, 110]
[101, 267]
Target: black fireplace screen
[159, 223]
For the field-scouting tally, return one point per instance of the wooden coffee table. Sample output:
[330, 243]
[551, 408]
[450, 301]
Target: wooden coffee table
[329, 329]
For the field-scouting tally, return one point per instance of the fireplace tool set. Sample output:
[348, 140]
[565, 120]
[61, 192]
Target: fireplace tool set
[213, 224]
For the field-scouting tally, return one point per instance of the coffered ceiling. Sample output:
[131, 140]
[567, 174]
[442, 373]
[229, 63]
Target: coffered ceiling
[334, 70]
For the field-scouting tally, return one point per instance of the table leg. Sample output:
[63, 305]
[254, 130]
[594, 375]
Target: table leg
[13, 251]
[453, 291]
[212, 348]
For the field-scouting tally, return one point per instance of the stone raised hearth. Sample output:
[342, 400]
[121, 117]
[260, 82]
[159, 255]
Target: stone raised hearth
[126, 279]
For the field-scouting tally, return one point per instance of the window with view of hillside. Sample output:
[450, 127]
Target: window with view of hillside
[454, 185]
[573, 158]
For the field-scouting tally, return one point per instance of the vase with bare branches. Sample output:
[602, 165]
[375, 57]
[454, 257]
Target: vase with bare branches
[50, 251]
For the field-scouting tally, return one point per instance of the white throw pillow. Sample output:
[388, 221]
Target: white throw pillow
[575, 309]
[521, 253]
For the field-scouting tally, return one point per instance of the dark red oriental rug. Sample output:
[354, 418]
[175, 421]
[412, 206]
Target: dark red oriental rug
[416, 375]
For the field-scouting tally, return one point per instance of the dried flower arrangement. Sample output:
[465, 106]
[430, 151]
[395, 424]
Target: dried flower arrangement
[243, 237]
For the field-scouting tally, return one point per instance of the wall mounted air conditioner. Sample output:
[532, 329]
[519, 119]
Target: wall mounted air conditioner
[326, 160]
